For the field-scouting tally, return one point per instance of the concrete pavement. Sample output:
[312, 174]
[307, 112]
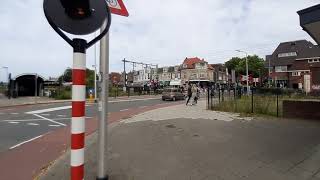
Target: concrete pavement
[162, 145]
[34, 144]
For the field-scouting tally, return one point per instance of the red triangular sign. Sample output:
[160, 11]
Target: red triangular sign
[117, 7]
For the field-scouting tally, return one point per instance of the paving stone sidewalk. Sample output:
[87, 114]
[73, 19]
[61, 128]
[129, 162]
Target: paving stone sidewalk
[189, 143]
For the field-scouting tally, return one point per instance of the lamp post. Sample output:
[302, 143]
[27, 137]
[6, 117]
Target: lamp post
[247, 70]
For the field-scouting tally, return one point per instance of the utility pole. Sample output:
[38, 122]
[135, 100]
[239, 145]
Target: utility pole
[247, 70]
[124, 75]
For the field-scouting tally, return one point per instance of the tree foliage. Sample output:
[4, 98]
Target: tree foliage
[255, 65]
[67, 77]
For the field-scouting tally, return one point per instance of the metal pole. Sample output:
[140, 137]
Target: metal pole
[269, 82]
[95, 71]
[35, 85]
[277, 103]
[124, 73]
[247, 69]
[103, 105]
[252, 101]
[78, 109]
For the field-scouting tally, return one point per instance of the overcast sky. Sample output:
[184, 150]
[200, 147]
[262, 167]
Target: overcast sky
[163, 32]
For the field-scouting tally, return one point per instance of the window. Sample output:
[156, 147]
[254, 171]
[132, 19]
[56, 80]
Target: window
[313, 60]
[296, 73]
[289, 54]
[201, 75]
[281, 69]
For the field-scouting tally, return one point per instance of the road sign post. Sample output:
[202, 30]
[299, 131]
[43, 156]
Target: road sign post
[78, 18]
[116, 7]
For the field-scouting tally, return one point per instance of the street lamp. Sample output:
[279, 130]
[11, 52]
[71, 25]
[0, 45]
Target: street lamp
[310, 21]
[247, 70]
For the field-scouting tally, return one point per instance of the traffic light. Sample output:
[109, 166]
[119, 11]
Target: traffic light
[77, 9]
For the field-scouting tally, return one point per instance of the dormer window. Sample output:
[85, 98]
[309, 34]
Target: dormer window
[289, 54]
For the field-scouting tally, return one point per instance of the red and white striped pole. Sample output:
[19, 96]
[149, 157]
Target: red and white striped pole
[78, 109]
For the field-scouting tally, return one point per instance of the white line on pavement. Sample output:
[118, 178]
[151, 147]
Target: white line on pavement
[45, 114]
[124, 110]
[54, 125]
[61, 115]
[49, 110]
[131, 100]
[13, 122]
[50, 120]
[26, 120]
[33, 124]
[25, 142]
[14, 113]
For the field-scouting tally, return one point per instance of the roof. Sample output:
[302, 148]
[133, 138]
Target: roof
[191, 61]
[303, 48]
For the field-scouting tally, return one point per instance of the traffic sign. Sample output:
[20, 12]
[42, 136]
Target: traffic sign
[117, 7]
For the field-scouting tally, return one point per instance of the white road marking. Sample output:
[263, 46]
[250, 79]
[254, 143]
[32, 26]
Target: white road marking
[33, 124]
[14, 113]
[25, 142]
[45, 114]
[49, 110]
[26, 120]
[61, 115]
[13, 122]
[54, 125]
[131, 100]
[50, 120]
[124, 110]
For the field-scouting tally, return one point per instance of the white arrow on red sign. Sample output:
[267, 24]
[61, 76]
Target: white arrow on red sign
[117, 7]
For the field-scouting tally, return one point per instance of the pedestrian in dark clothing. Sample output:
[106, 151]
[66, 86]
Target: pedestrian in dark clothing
[189, 94]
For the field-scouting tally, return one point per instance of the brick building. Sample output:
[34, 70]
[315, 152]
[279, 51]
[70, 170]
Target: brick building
[295, 64]
[196, 70]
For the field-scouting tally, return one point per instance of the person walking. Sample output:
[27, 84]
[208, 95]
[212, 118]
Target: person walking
[189, 93]
[195, 94]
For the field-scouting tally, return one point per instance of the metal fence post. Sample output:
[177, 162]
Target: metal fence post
[211, 96]
[277, 103]
[208, 91]
[222, 95]
[219, 96]
[252, 100]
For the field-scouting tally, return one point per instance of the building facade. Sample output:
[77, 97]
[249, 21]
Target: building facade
[196, 70]
[295, 64]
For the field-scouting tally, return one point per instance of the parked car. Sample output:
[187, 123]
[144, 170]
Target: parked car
[172, 94]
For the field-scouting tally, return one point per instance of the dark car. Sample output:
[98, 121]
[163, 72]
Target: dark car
[172, 94]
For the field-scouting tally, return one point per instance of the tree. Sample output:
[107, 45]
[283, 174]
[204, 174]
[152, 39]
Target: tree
[67, 77]
[255, 64]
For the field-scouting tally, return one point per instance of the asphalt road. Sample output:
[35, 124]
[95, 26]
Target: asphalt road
[23, 123]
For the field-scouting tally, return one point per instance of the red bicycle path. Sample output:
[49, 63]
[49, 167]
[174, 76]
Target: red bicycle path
[28, 160]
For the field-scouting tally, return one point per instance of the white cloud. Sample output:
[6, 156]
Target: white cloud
[163, 32]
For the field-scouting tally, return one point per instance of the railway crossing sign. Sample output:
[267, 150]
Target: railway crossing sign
[117, 7]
